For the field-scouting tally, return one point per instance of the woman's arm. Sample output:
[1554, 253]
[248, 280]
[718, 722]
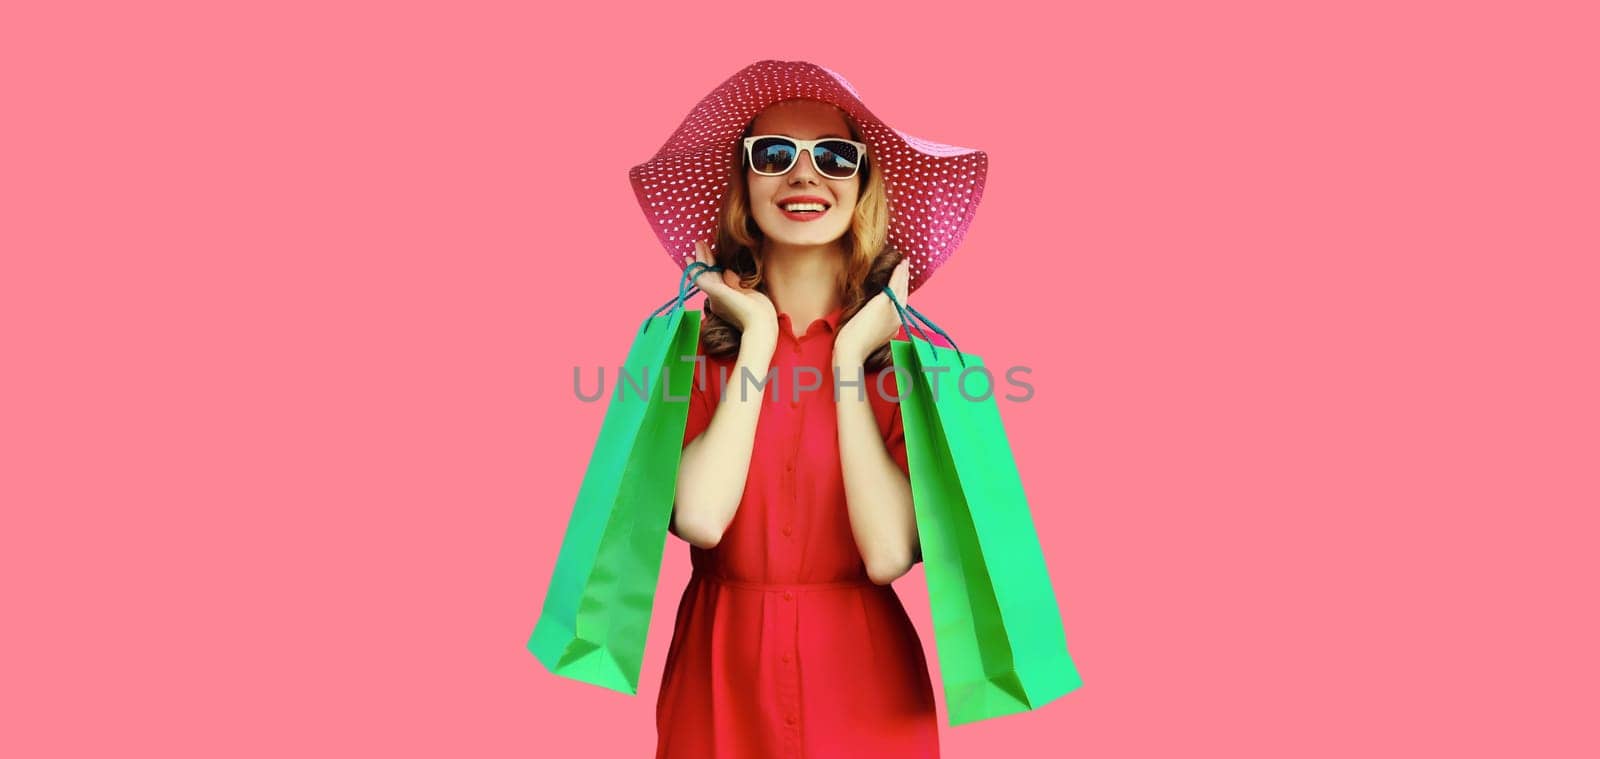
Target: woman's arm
[712, 473]
[877, 493]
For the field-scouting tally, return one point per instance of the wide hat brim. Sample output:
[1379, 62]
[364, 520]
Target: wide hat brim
[933, 189]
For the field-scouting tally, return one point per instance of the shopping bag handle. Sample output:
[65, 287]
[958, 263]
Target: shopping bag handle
[915, 316]
[686, 289]
[929, 322]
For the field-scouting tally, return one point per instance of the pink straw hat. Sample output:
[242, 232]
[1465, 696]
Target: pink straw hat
[933, 189]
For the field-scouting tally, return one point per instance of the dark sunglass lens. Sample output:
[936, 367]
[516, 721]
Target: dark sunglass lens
[772, 155]
[836, 159]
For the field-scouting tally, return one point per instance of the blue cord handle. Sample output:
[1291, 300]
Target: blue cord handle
[929, 322]
[686, 289]
[917, 316]
[905, 321]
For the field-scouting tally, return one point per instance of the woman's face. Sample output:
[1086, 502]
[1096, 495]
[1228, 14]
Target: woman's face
[804, 120]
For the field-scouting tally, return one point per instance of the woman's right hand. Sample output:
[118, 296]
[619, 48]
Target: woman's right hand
[747, 308]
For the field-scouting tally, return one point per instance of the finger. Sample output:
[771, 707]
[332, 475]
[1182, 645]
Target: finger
[901, 280]
[702, 253]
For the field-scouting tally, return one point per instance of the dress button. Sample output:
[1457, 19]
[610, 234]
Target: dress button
[787, 596]
[789, 719]
[786, 658]
[787, 530]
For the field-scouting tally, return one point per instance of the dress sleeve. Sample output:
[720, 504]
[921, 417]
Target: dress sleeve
[699, 401]
[895, 441]
[699, 418]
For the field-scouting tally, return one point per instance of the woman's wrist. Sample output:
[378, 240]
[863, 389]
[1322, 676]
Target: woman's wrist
[758, 342]
[848, 354]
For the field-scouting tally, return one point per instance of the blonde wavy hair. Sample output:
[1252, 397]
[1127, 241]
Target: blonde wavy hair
[869, 260]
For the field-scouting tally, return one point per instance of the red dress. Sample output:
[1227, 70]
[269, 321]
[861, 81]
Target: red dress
[782, 646]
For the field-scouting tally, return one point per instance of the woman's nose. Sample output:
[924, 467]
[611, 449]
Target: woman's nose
[803, 164]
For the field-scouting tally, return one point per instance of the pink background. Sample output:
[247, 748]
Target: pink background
[292, 297]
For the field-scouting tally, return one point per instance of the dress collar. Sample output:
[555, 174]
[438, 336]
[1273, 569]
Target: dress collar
[829, 322]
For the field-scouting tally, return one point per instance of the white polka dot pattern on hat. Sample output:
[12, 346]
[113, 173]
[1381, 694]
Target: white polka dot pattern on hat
[934, 189]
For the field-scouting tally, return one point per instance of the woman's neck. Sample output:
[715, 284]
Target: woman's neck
[802, 281]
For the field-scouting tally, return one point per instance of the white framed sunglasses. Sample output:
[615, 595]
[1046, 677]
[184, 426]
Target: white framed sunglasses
[773, 155]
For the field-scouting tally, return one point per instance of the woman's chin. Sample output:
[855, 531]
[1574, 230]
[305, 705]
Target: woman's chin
[805, 238]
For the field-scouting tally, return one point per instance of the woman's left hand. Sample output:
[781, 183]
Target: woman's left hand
[876, 322]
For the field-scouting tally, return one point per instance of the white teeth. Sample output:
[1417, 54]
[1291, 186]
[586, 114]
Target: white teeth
[804, 207]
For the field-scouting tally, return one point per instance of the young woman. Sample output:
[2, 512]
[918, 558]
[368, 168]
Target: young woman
[795, 496]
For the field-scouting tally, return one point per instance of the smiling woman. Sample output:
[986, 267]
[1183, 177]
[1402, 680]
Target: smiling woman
[853, 222]
[789, 639]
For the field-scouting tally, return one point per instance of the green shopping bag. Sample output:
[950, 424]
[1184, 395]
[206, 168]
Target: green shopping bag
[597, 610]
[997, 625]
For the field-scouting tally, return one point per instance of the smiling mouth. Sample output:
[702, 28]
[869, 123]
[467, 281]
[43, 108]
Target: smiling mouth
[803, 210]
